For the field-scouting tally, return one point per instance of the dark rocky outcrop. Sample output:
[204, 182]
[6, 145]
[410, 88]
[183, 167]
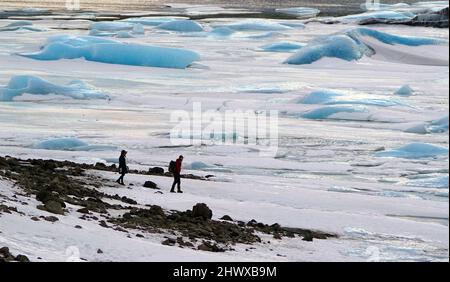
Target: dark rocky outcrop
[202, 211]
[6, 256]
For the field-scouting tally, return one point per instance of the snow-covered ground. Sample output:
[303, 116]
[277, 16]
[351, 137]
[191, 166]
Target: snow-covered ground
[327, 174]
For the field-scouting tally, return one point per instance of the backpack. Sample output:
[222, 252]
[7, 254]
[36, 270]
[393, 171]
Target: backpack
[172, 166]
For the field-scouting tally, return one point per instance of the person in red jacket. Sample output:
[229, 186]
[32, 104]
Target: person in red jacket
[177, 175]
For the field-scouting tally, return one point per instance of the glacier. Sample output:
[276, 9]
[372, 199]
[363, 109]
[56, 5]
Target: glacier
[415, 151]
[182, 26]
[70, 144]
[113, 52]
[328, 97]
[350, 46]
[27, 84]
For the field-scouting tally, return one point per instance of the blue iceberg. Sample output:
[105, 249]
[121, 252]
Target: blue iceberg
[415, 151]
[26, 84]
[111, 26]
[113, 52]
[327, 112]
[439, 126]
[327, 97]
[405, 90]
[349, 46]
[182, 26]
[282, 47]
[70, 144]
[221, 32]
[431, 182]
[257, 25]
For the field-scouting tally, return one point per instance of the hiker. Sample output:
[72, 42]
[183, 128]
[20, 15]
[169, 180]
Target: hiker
[176, 170]
[123, 169]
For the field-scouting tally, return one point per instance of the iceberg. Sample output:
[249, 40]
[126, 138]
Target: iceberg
[380, 16]
[111, 26]
[182, 26]
[282, 47]
[118, 29]
[350, 46]
[327, 97]
[70, 144]
[405, 90]
[113, 52]
[198, 166]
[221, 32]
[21, 26]
[302, 12]
[330, 112]
[26, 84]
[415, 151]
[431, 182]
[439, 126]
[257, 25]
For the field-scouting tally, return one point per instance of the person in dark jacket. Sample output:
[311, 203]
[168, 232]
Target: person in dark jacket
[177, 175]
[123, 169]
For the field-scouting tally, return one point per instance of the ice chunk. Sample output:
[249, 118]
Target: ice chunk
[431, 182]
[439, 126]
[269, 35]
[21, 26]
[257, 25]
[282, 47]
[349, 45]
[198, 166]
[25, 84]
[70, 144]
[221, 32]
[152, 21]
[405, 90]
[327, 97]
[379, 15]
[332, 112]
[182, 26]
[415, 151]
[113, 52]
[111, 26]
[299, 11]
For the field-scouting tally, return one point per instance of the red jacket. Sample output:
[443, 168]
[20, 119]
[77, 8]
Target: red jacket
[178, 167]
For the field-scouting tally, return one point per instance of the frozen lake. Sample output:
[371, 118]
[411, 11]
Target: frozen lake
[328, 173]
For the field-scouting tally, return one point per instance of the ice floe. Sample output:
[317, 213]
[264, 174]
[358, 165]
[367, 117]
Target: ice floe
[21, 26]
[301, 12]
[70, 144]
[257, 25]
[329, 97]
[336, 112]
[182, 26]
[350, 45]
[282, 47]
[26, 84]
[415, 151]
[113, 52]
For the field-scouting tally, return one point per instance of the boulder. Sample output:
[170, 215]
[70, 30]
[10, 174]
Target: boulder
[54, 207]
[151, 185]
[157, 170]
[203, 211]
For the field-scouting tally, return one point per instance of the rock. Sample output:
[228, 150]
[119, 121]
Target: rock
[226, 218]
[157, 170]
[78, 227]
[22, 258]
[35, 218]
[54, 207]
[83, 211]
[139, 235]
[151, 185]
[169, 242]
[208, 247]
[50, 218]
[99, 251]
[128, 201]
[203, 211]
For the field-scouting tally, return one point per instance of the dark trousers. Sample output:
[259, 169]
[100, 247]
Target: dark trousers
[122, 175]
[176, 181]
